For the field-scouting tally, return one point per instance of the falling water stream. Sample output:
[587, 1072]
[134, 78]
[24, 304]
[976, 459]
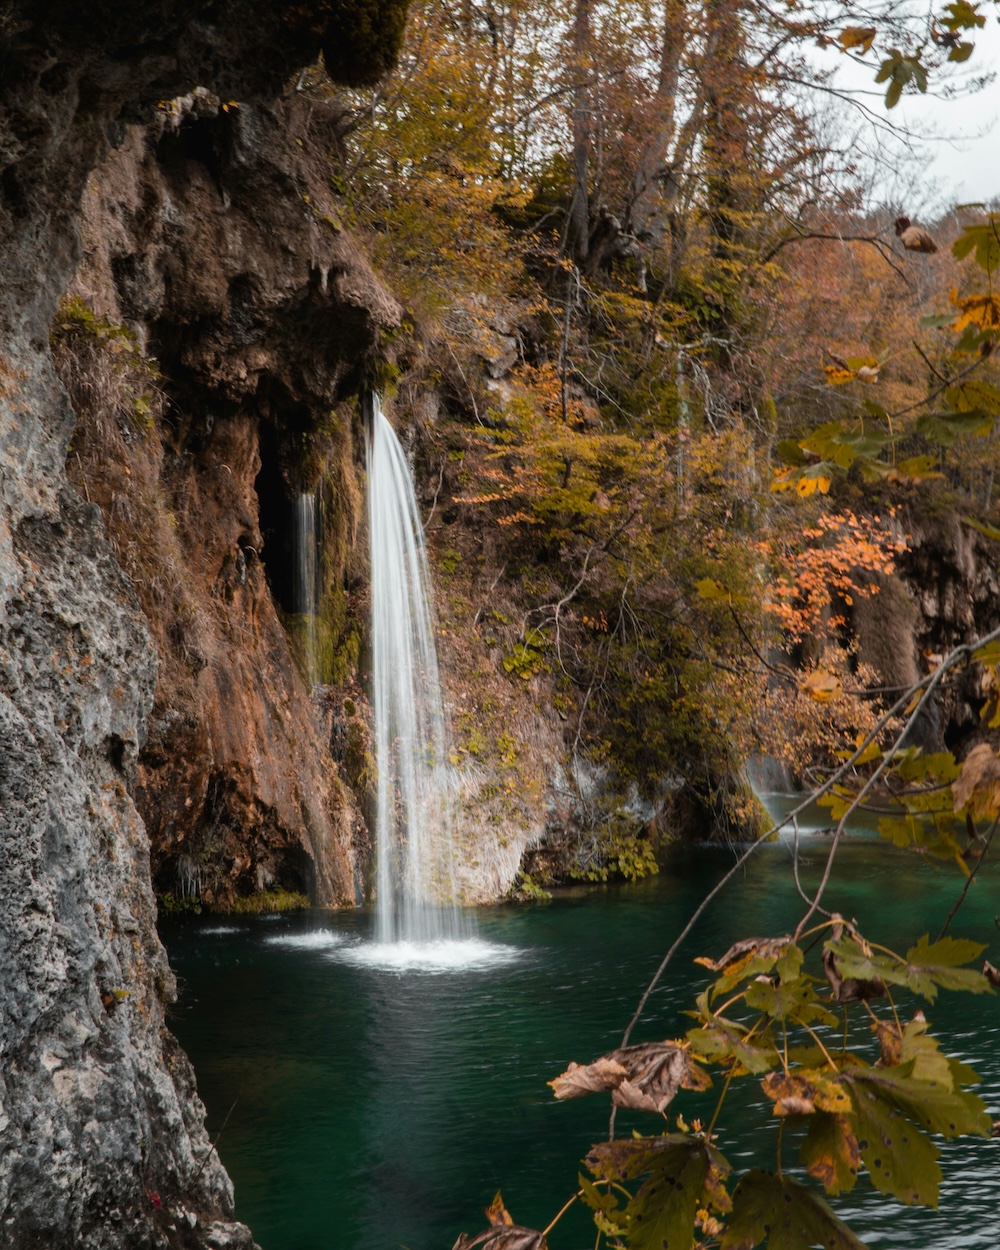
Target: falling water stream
[415, 886]
[304, 583]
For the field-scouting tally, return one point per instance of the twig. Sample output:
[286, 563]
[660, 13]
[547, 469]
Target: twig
[493, 586]
[213, 1144]
[931, 681]
[940, 376]
[951, 659]
[969, 880]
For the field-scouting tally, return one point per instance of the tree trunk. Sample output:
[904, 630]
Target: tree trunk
[579, 211]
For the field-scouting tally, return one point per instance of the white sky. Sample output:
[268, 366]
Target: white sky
[963, 160]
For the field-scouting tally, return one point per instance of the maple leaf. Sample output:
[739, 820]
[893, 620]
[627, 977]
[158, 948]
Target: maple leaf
[861, 37]
[980, 311]
[643, 1077]
[787, 1214]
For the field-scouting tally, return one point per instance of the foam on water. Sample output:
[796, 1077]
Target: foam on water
[219, 929]
[316, 940]
[441, 955]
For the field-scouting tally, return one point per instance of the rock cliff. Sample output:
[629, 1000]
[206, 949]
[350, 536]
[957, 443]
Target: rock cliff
[101, 1130]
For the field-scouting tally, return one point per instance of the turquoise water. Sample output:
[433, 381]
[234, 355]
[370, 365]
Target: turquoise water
[375, 1108]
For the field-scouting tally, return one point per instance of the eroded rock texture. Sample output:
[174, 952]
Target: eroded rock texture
[101, 1135]
[211, 234]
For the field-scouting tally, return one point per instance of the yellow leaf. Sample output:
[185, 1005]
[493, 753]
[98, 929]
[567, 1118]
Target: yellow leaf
[708, 588]
[821, 685]
[981, 311]
[837, 376]
[857, 37]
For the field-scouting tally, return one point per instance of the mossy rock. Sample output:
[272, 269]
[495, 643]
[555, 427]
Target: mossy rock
[269, 900]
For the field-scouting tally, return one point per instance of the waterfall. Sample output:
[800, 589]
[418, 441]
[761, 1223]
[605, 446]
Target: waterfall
[305, 595]
[415, 869]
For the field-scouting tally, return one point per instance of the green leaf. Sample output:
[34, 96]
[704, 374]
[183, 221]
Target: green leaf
[918, 468]
[961, 52]
[963, 16]
[684, 1174]
[984, 238]
[752, 956]
[939, 1108]
[789, 451]
[900, 1159]
[661, 1215]
[855, 964]
[926, 967]
[603, 1202]
[888, 66]
[929, 965]
[785, 1214]
[722, 1040]
[946, 428]
[974, 396]
[796, 1001]
[830, 1152]
[929, 1064]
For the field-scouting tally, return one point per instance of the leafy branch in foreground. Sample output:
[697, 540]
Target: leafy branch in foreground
[850, 1081]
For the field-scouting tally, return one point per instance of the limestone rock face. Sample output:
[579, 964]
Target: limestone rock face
[212, 235]
[102, 1142]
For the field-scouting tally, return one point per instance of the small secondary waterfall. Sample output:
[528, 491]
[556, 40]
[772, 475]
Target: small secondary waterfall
[415, 870]
[304, 581]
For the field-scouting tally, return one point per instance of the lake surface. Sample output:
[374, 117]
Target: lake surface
[373, 1107]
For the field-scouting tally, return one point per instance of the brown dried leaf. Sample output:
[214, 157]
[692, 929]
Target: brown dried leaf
[890, 1041]
[497, 1213]
[990, 973]
[644, 1077]
[503, 1233]
[797, 1094]
[589, 1078]
[503, 1237]
[765, 947]
[831, 1152]
[849, 989]
[978, 785]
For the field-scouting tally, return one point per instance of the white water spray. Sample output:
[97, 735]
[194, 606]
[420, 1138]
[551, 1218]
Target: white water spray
[415, 900]
[304, 588]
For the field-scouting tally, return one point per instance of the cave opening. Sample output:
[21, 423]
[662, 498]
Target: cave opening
[277, 522]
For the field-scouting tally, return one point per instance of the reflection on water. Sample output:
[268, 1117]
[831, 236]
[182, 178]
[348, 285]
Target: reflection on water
[379, 1106]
